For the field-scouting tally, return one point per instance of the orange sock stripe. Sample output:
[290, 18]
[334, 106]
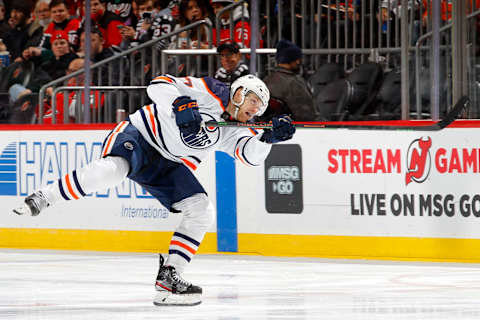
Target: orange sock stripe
[183, 245]
[69, 186]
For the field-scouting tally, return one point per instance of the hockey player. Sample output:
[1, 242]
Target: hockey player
[159, 147]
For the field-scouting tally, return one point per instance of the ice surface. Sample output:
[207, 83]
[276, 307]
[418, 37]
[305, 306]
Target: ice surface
[84, 285]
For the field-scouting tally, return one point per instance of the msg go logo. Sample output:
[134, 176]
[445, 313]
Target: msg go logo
[282, 178]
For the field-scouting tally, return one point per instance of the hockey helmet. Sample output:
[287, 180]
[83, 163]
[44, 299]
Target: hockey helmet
[250, 83]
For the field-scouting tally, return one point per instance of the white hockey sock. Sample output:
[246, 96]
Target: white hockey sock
[98, 175]
[198, 215]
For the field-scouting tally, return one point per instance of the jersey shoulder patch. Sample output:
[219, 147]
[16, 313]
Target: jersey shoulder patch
[163, 79]
[219, 89]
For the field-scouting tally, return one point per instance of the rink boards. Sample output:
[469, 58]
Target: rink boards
[326, 193]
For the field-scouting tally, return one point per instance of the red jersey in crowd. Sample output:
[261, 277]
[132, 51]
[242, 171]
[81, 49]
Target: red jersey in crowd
[70, 26]
[241, 34]
[97, 101]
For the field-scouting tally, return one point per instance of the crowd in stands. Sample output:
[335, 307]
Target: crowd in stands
[41, 39]
[45, 39]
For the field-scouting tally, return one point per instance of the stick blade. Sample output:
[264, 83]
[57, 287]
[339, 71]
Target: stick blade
[453, 114]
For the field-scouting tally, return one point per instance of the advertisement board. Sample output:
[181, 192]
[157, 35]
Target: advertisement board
[30, 159]
[330, 193]
[376, 184]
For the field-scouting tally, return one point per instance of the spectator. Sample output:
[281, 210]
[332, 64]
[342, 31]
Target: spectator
[51, 69]
[4, 27]
[123, 9]
[107, 22]
[42, 14]
[163, 22]
[23, 34]
[241, 28]
[152, 24]
[286, 84]
[98, 52]
[232, 64]
[61, 21]
[96, 97]
[75, 8]
[192, 11]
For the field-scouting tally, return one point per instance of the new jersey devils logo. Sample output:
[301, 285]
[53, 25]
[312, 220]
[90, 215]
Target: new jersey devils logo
[418, 160]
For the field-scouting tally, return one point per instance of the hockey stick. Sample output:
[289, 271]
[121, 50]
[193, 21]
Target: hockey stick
[461, 105]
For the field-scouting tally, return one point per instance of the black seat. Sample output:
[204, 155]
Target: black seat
[389, 96]
[326, 74]
[332, 102]
[366, 80]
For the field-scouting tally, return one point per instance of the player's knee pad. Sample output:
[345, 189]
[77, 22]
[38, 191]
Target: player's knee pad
[103, 173]
[197, 210]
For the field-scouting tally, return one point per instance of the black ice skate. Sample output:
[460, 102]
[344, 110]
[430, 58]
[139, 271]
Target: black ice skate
[33, 204]
[173, 290]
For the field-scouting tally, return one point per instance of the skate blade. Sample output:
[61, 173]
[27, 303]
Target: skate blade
[166, 298]
[24, 209]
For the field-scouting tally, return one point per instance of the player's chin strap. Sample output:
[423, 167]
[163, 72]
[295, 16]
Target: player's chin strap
[227, 116]
[237, 106]
[235, 114]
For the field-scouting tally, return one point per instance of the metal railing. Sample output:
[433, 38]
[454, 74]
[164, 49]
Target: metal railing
[133, 77]
[326, 31]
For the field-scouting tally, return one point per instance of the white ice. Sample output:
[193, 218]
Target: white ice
[83, 285]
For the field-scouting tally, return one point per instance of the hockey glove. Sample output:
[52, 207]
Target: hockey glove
[187, 116]
[282, 130]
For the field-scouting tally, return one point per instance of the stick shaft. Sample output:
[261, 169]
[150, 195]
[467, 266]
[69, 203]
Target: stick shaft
[448, 119]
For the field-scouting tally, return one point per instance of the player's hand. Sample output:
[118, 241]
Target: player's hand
[282, 130]
[187, 116]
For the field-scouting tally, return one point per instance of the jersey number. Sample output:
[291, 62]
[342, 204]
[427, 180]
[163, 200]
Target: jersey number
[188, 82]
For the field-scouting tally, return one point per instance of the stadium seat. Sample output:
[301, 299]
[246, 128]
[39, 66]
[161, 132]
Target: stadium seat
[325, 74]
[389, 97]
[332, 102]
[366, 80]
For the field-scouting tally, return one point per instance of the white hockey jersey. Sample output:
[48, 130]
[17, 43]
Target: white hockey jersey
[156, 122]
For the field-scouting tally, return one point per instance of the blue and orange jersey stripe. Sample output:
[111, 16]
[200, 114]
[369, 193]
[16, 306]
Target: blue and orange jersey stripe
[213, 94]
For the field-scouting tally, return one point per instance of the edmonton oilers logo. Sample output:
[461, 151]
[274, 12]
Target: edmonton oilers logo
[206, 137]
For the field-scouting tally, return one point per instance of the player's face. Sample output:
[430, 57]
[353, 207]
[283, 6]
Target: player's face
[251, 105]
